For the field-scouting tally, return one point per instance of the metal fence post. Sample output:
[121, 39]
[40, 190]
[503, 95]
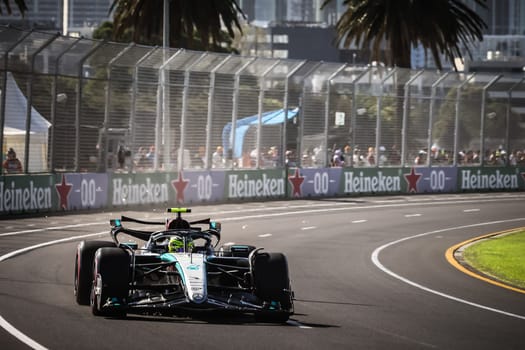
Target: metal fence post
[184, 112]
[300, 134]
[406, 108]
[4, 91]
[456, 119]
[284, 139]
[134, 92]
[235, 111]
[327, 111]
[259, 114]
[353, 117]
[378, 117]
[431, 116]
[163, 120]
[209, 116]
[30, 100]
[54, 91]
[482, 124]
[78, 107]
[507, 120]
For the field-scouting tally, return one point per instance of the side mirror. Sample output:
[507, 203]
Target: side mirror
[115, 223]
[214, 225]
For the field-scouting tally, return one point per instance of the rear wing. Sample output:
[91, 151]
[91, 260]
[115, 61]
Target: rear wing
[214, 227]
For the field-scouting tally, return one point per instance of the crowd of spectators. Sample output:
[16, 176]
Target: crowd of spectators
[437, 157]
[143, 159]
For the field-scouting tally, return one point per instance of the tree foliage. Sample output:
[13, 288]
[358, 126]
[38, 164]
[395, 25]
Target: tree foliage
[443, 27]
[194, 24]
[6, 8]
[104, 31]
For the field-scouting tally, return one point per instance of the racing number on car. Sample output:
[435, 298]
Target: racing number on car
[88, 192]
[321, 183]
[437, 180]
[204, 187]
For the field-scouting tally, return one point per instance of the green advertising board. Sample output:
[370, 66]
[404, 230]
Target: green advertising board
[490, 179]
[256, 184]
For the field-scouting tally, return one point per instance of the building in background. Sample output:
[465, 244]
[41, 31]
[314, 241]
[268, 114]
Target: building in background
[503, 46]
[300, 29]
[70, 17]
[294, 29]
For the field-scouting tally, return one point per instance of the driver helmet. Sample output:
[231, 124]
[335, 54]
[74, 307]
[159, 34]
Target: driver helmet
[176, 245]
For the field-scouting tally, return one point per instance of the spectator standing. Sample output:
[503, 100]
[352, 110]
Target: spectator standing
[151, 155]
[121, 157]
[140, 159]
[382, 159]
[289, 159]
[347, 154]
[371, 156]
[273, 156]
[217, 158]
[12, 164]
[338, 160]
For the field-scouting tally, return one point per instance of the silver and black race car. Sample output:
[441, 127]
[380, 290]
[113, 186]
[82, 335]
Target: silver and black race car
[178, 271]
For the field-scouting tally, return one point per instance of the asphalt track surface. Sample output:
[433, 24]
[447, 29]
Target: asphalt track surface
[368, 273]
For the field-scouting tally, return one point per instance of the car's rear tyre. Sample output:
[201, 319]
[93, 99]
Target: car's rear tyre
[84, 268]
[272, 285]
[110, 282]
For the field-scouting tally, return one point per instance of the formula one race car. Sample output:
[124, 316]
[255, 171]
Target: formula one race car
[179, 271]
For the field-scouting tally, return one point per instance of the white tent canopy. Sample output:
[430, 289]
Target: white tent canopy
[15, 128]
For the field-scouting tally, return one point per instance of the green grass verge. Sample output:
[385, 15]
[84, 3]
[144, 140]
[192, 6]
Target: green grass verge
[501, 257]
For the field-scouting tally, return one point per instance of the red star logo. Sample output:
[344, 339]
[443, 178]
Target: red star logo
[296, 180]
[180, 185]
[63, 190]
[412, 180]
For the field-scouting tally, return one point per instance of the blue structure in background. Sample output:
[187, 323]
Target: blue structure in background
[242, 126]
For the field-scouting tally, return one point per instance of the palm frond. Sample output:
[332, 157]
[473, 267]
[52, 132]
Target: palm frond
[21, 4]
[443, 27]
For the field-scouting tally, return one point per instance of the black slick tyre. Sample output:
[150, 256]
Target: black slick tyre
[110, 282]
[84, 268]
[272, 285]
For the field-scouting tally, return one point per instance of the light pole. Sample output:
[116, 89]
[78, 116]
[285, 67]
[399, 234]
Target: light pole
[165, 25]
[65, 17]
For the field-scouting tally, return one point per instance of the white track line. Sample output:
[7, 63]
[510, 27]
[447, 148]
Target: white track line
[15, 233]
[6, 325]
[19, 335]
[45, 244]
[375, 260]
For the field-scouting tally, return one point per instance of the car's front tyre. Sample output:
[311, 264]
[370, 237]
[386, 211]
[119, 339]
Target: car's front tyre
[272, 285]
[84, 258]
[110, 287]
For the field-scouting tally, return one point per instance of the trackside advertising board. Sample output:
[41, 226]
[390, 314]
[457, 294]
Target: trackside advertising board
[27, 194]
[84, 191]
[52, 193]
[490, 179]
[184, 187]
[255, 184]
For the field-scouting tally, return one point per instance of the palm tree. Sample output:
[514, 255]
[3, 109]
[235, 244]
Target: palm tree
[194, 24]
[21, 4]
[441, 26]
